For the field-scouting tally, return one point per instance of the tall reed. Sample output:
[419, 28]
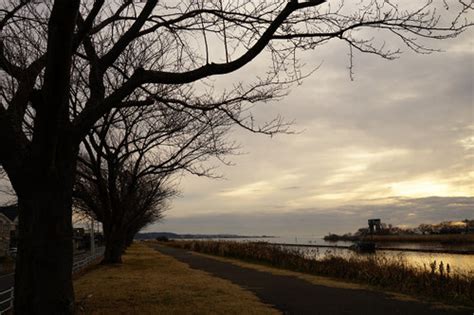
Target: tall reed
[388, 272]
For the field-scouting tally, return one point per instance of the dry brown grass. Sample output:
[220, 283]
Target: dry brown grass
[151, 283]
[324, 281]
[393, 273]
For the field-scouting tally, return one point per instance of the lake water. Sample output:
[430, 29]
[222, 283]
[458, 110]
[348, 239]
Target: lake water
[458, 263]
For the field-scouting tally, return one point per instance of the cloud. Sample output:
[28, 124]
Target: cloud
[249, 190]
[402, 128]
[320, 221]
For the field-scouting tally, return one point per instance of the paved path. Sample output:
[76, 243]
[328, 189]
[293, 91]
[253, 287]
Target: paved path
[292, 295]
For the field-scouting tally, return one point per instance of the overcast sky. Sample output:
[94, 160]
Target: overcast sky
[397, 143]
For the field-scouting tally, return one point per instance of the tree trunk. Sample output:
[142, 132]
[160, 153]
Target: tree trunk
[129, 241]
[43, 177]
[113, 252]
[43, 276]
[114, 246]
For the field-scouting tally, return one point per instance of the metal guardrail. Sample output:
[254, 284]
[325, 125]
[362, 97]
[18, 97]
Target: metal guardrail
[85, 262]
[8, 301]
[7, 296]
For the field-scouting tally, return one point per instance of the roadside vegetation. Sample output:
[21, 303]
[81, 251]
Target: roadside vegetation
[7, 265]
[435, 281]
[148, 282]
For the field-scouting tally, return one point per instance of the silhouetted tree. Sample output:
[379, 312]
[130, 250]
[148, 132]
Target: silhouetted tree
[41, 130]
[128, 160]
[135, 204]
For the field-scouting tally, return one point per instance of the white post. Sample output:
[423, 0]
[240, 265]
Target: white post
[92, 237]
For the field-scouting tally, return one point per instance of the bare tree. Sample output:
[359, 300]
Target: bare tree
[135, 204]
[129, 159]
[40, 41]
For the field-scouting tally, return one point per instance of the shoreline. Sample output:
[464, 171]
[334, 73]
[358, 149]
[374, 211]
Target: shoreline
[437, 251]
[430, 238]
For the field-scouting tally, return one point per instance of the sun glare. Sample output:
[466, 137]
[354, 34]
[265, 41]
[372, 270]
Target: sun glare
[425, 188]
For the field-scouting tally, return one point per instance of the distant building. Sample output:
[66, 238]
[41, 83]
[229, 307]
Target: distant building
[375, 226]
[8, 228]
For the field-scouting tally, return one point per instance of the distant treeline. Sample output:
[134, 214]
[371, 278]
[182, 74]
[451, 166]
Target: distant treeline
[416, 238]
[169, 235]
[448, 231]
[349, 237]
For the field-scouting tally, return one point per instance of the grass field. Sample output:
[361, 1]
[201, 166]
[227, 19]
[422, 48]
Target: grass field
[151, 283]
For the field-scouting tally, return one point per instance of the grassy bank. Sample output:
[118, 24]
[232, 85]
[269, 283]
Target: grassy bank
[151, 283]
[394, 274]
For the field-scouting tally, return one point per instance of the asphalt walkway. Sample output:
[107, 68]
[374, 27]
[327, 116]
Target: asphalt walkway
[292, 295]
